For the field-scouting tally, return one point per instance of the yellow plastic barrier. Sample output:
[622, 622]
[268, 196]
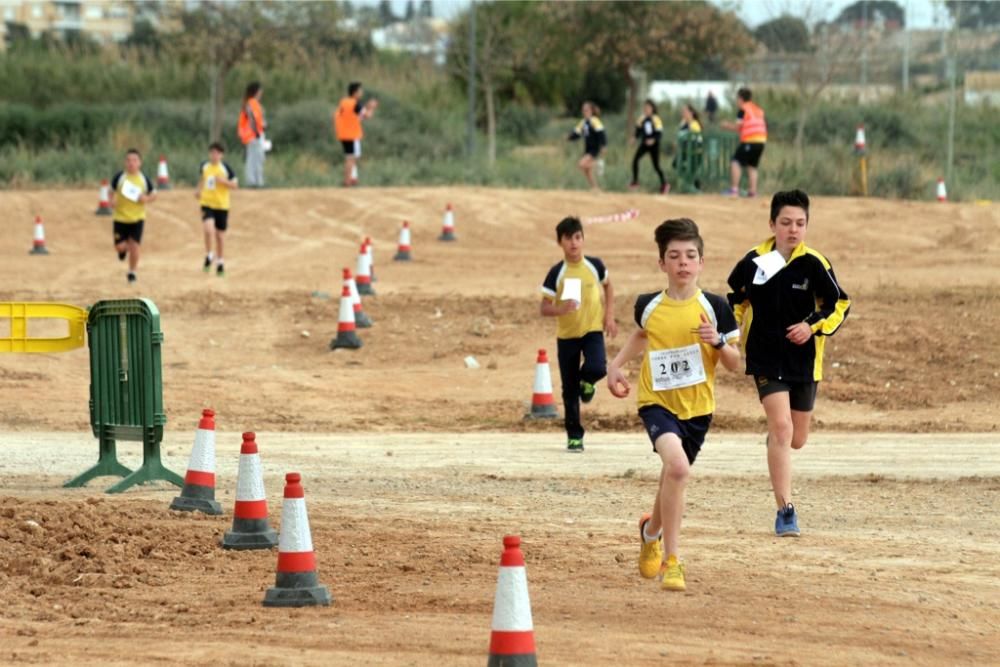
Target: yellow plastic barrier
[20, 313]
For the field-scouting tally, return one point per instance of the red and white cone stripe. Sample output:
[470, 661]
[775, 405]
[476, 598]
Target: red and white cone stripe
[162, 173]
[353, 287]
[201, 466]
[345, 318]
[404, 237]
[295, 546]
[542, 394]
[512, 637]
[370, 251]
[448, 226]
[942, 192]
[859, 139]
[38, 237]
[105, 200]
[363, 271]
[251, 501]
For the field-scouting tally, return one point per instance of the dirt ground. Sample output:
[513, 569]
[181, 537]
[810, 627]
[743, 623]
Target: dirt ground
[415, 466]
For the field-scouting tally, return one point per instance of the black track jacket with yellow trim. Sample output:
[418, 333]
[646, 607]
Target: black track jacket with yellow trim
[805, 290]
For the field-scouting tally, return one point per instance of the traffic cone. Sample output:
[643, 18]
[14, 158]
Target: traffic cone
[199, 482]
[543, 405]
[448, 226]
[370, 249]
[859, 140]
[346, 335]
[512, 636]
[296, 584]
[942, 193]
[403, 249]
[104, 204]
[162, 174]
[38, 242]
[361, 320]
[250, 527]
[363, 274]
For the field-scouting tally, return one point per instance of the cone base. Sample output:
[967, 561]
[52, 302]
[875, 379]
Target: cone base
[39, 250]
[244, 541]
[103, 211]
[365, 289]
[362, 321]
[447, 236]
[346, 339]
[542, 412]
[402, 257]
[313, 596]
[204, 505]
[525, 660]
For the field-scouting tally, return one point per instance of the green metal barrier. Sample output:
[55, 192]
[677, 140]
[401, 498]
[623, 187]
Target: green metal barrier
[702, 161]
[126, 390]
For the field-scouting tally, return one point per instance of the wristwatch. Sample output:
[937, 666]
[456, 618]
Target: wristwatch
[722, 342]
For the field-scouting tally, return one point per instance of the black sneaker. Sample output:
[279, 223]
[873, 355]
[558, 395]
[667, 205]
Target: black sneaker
[220, 271]
[131, 277]
[575, 446]
[587, 391]
[208, 264]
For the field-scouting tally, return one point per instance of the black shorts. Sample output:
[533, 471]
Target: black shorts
[748, 155]
[658, 420]
[220, 217]
[128, 230]
[801, 395]
[352, 148]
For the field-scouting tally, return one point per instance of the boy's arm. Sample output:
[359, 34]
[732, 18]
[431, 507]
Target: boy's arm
[618, 384]
[738, 299]
[231, 181]
[551, 308]
[610, 325]
[834, 305]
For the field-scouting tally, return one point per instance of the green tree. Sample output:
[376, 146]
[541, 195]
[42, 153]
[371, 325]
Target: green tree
[385, 13]
[785, 34]
[426, 9]
[871, 10]
[975, 13]
[411, 11]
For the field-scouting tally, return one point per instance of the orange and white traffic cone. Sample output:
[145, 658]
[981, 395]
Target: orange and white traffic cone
[296, 583]
[38, 240]
[448, 226]
[543, 405]
[942, 192]
[347, 337]
[370, 249]
[512, 636]
[198, 493]
[361, 320]
[860, 146]
[162, 174]
[363, 274]
[403, 249]
[104, 204]
[250, 527]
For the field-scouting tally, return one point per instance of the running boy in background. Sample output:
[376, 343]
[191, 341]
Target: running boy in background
[753, 137]
[683, 333]
[216, 179]
[131, 190]
[572, 293]
[347, 124]
[591, 129]
[787, 300]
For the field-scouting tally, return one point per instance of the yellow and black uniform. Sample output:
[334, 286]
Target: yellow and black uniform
[214, 197]
[594, 137]
[753, 135]
[677, 379]
[648, 131]
[129, 214]
[347, 120]
[804, 290]
[579, 333]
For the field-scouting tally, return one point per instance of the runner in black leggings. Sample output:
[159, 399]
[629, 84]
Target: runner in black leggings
[648, 131]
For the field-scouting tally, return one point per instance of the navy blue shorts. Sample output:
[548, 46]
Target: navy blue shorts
[658, 420]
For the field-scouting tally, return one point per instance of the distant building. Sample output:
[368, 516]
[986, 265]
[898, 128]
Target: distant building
[426, 36]
[695, 92]
[104, 21]
[982, 88]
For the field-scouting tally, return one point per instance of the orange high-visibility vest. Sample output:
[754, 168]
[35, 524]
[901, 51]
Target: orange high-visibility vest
[251, 126]
[348, 121]
[753, 129]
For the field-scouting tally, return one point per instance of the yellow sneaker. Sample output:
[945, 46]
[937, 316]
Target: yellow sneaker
[672, 575]
[651, 554]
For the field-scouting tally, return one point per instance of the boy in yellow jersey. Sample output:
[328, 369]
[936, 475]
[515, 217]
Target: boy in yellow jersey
[131, 190]
[572, 293]
[683, 333]
[216, 179]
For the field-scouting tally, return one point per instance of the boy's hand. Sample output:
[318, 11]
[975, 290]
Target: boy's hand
[708, 332]
[799, 333]
[567, 307]
[197, 194]
[617, 382]
[610, 326]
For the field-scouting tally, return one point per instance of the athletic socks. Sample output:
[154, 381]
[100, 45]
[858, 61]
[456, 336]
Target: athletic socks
[646, 537]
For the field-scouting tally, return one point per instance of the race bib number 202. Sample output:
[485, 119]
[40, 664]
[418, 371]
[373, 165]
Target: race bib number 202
[676, 367]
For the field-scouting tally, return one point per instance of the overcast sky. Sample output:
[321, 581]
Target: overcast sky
[922, 13]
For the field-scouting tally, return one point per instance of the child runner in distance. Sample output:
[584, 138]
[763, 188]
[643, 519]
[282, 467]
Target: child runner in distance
[648, 132]
[787, 300]
[591, 130]
[347, 124]
[683, 333]
[216, 179]
[131, 190]
[572, 293]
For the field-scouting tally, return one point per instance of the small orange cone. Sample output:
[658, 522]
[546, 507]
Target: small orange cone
[543, 405]
[363, 275]
[250, 527]
[162, 174]
[38, 241]
[104, 203]
[347, 337]
[361, 320]
[403, 249]
[198, 493]
[448, 226]
[942, 193]
[296, 583]
[512, 636]
[860, 148]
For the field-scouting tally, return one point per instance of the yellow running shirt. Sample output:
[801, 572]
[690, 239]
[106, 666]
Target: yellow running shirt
[126, 209]
[589, 316]
[215, 195]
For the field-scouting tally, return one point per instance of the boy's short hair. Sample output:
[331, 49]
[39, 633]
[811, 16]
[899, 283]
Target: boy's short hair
[133, 151]
[678, 229]
[567, 227]
[744, 94]
[353, 87]
[789, 198]
[216, 146]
